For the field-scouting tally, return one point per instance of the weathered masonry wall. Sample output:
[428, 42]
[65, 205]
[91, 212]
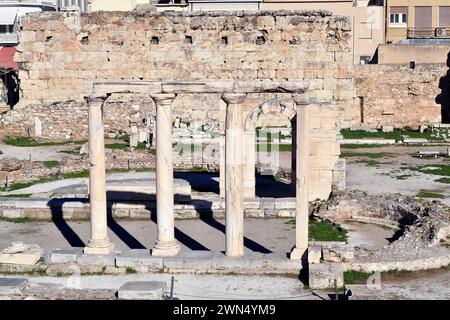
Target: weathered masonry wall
[61, 54]
[398, 96]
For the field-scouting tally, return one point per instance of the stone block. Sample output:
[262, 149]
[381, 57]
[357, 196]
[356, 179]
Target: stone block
[331, 256]
[323, 275]
[190, 260]
[280, 261]
[285, 203]
[12, 285]
[314, 254]
[267, 203]
[97, 259]
[139, 258]
[65, 255]
[142, 290]
[249, 261]
[29, 256]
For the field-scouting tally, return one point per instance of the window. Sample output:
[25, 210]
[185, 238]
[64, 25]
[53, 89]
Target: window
[398, 16]
[444, 16]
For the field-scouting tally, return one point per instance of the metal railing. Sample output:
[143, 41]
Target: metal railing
[439, 32]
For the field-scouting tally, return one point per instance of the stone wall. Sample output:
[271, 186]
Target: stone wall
[62, 54]
[398, 96]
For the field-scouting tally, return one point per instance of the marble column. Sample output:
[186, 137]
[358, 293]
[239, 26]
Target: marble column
[294, 156]
[302, 170]
[165, 245]
[234, 164]
[249, 182]
[99, 242]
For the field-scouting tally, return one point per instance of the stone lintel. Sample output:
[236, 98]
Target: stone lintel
[211, 86]
[140, 87]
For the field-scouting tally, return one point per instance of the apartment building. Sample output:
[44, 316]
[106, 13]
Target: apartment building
[417, 19]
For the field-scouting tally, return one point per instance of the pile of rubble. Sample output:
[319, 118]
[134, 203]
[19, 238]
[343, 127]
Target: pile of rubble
[423, 225]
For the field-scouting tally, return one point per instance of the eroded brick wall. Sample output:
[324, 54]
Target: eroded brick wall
[398, 96]
[62, 54]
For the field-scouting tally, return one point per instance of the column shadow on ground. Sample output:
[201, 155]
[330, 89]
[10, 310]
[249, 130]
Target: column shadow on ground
[201, 181]
[56, 206]
[268, 187]
[203, 207]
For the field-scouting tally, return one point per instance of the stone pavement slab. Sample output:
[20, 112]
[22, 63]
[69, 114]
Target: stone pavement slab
[138, 258]
[249, 261]
[65, 255]
[12, 285]
[190, 260]
[97, 259]
[142, 290]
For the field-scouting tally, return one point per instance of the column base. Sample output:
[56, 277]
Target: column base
[165, 248]
[99, 247]
[298, 253]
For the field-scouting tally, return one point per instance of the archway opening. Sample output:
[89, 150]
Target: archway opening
[273, 141]
[269, 145]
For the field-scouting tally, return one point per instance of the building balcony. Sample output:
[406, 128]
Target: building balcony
[429, 33]
[9, 38]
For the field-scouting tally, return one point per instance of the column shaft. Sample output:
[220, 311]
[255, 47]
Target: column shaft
[302, 170]
[99, 242]
[234, 202]
[249, 183]
[165, 245]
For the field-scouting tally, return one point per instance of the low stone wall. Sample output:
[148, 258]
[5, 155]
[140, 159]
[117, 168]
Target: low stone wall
[419, 53]
[73, 209]
[398, 96]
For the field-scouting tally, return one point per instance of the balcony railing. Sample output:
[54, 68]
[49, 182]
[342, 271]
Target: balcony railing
[430, 33]
[8, 38]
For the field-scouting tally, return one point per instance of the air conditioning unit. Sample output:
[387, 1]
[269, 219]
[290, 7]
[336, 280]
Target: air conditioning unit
[441, 32]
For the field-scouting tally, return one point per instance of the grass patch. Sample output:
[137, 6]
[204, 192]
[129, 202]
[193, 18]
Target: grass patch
[23, 185]
[30, 142]
[370, 155]
[370, 162]
[356, 277]
[268, 147]
[116, 146]
[24, 195]
[429, 194]
[403, 177]
[16, 220]
[361, 146]
[396, 134]
[130, 270]
[51, 164]
[443, 180]
[75, 151]
[397, 273]
[75, 175]
[324, 231]
[438, 170]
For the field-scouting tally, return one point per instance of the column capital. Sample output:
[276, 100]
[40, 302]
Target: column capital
[163, 98]
[301, 98]
[234, 98]
[96, 98]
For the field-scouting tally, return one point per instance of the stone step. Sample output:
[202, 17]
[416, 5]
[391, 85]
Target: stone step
[12, 285]
[142, 290]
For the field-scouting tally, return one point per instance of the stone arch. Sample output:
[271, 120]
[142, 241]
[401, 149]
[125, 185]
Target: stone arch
[286, 107]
